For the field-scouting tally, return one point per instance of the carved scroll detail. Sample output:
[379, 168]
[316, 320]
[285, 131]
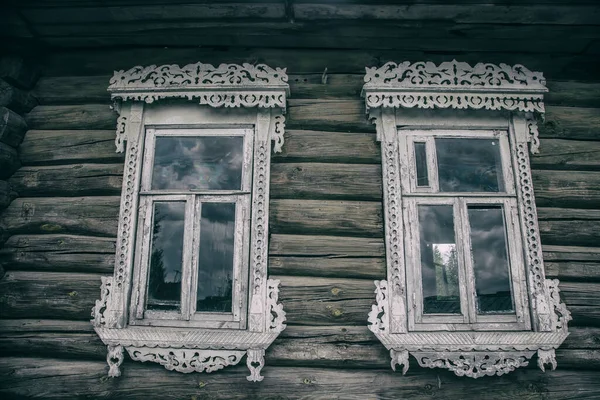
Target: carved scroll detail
[377, 316]
[277, 129]
[475, 364]
[114, 358]
[534, 135]
[187, 360]
[546, 357]
[121, 137]
[255, 361]
[560, 315]
[276, 322]
[399, 357]
[98, 310]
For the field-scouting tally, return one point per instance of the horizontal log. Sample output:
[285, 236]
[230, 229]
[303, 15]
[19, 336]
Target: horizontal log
[16, 99]
[80, 215]
[67, 147]
[59, 253]
[6, 195]
[574, 189]
[332, 115]
[12, 127]
[473, 13]
[9, 160]
[92, 89]
[572, 263]
[569, 227]
[567, 155]
[307, 300]
[57, 379]
[18, 71]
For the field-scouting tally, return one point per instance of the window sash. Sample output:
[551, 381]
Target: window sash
[407, 139]
[469, 319]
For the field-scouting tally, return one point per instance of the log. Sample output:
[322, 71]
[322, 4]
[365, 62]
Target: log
[81, 215]
[566, 155]
[58, 379]
[9, 160]
[59, 253]
[12, 127]
[325, 246]
[313, 114]
[67, 147]
[572, 263]
[18, 72]
[6, 196]
[569, 227]
[307, 300]
[69, 180]
[15, 99]
[574, 189]
[92, 89]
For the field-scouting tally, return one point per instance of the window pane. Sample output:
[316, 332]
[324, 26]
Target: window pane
[490, 259]
[421, 164]
[469, 165]
[201, 163]
[215, 269]
[164, 280]
[439, 262]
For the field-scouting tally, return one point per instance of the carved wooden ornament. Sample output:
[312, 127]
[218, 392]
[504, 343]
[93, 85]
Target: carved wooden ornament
[424, 100]
[247, 96]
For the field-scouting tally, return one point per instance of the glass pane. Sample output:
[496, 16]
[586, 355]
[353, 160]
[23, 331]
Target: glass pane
[490, 259]
[469, 165]
[200, 163]
[215, 269]
[421, 164]
[439, 261]
[164, 280]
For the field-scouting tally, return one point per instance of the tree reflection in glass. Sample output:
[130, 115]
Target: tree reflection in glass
[490, 259]
[198, 163]
[469, 165]
[439, 261]
[164, 280]
[215, 269]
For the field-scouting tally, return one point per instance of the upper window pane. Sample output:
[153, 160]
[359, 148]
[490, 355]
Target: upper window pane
[439, 260]
[469, 165]
[421, 164]
[490, 259]
[198, 163]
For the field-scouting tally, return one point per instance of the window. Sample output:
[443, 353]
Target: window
[465, 289]
[190, 288]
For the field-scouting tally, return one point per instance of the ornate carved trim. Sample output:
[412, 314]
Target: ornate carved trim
[475, 364]
[114, 358]
[187, 360]
[276, 323]
[454, 85]
[228, 85]
[255, 362]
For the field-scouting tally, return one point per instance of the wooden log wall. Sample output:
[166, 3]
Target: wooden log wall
[326, 243]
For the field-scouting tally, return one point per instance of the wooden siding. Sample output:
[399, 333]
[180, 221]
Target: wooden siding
[326, 243]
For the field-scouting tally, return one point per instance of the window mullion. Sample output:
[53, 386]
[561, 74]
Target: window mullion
[193, 249]
[143, 256]
[463, 243]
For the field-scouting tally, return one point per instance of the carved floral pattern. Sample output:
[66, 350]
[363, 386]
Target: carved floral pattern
[399, 357]
[377, 316]
[475, 364]
[454, 74]
[255, 361]
[277, 130]
[546, 357]
[114, 358]
[276, 323]
[560, 315]
[101, 304]
[187, 360]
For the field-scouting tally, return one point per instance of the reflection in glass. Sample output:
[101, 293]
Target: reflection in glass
[215, 269]
[439, 260]
[469, 165]
[421, 164]
[490, 259]
[164, 278]
[207, 162]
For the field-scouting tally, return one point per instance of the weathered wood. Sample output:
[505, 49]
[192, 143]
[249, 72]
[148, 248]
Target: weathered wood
[569, 227]
[15, 99]
[325, 246]
[567, 188]
[69, 180]
[66, 147]
[12, 127]
[9, 160]
[81, 215]
[6, 195]
[331, 115]
[571, 123]
[567, 154]
[572, 263]
[349, 218]
[54, 378]
[59, 253]
[92, 89]
[475, 13]
[17, 71]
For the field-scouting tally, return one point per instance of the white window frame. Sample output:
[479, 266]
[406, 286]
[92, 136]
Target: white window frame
[416, 102]
[243, 100]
